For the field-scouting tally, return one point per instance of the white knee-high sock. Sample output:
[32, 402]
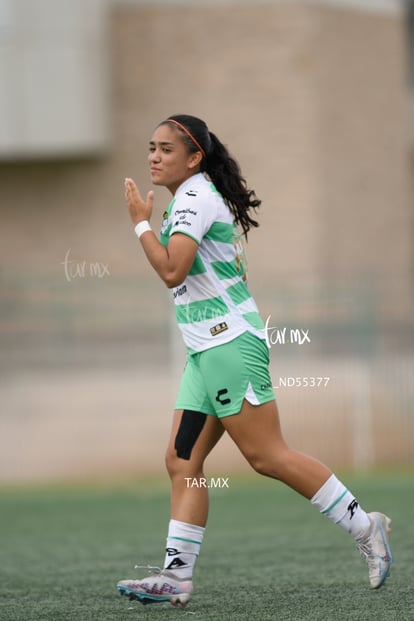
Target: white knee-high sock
[339, 505]
[183, 547]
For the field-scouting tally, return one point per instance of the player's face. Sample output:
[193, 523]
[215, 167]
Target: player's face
[169, 161]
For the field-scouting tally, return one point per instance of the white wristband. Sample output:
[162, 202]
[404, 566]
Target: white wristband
[142, 227]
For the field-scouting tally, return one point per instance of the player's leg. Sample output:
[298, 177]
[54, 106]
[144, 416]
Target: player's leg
[187, 450]
[193, 436]
[256, 431]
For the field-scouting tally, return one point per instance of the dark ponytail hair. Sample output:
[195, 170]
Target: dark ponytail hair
[220, 166]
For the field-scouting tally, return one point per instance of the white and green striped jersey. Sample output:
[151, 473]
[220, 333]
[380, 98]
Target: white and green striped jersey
[213, 304]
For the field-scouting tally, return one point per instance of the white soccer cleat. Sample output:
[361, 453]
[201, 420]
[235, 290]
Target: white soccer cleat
[375, 549]
[163, 587]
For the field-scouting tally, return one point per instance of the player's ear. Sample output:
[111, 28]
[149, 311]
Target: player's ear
[195, 159]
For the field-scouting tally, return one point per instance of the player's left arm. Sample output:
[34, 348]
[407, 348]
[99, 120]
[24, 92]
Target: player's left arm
[172, 263]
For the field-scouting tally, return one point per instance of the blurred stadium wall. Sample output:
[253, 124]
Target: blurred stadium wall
[314, 100]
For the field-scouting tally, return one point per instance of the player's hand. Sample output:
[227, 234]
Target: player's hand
[138, 208]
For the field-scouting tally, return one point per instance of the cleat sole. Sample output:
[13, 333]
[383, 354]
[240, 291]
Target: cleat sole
[145, 597]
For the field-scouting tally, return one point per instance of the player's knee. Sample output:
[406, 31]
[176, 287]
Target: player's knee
[260, 466]
[181, 473]
[172, 463]
[179, 468]
[266, 465]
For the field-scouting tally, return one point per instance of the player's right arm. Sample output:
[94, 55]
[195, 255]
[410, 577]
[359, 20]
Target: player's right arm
[173, 262]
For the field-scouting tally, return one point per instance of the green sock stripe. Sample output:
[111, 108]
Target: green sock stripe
[187, 540]
[335, 503]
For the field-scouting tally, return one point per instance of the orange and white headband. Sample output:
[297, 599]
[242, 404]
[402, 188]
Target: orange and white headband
[189, 134]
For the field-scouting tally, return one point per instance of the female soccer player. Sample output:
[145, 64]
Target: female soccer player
[226, 384]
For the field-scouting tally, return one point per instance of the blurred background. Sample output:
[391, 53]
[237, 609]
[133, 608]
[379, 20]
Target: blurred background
[316, 101]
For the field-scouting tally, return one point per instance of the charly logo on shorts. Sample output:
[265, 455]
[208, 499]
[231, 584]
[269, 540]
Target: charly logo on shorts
[220, 393]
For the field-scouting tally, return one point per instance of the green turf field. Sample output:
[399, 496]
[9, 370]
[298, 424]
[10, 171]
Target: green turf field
[267, 554]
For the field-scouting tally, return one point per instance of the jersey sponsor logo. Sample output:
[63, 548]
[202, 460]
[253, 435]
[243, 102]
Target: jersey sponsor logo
[180, 222]
[220, 327]
[164, 223]
[179, 291]
[191, 193]
[165, 217]
[182, 215]
[183, 212]
[220, 393]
